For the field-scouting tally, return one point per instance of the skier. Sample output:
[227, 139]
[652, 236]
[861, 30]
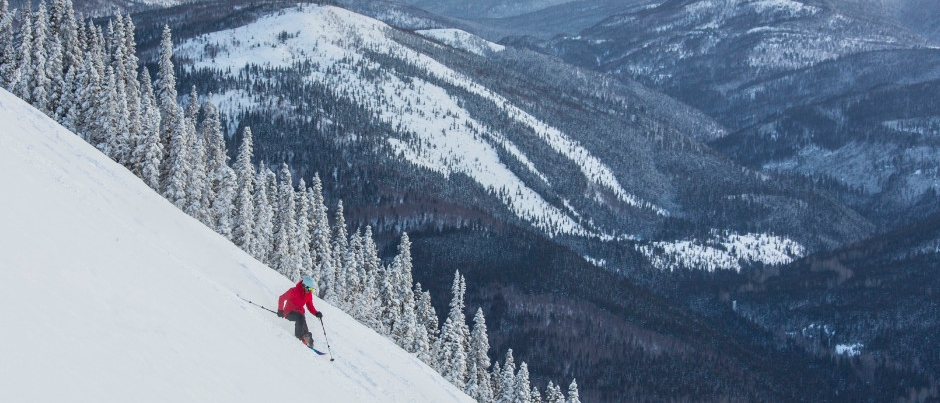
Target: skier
[291, 307]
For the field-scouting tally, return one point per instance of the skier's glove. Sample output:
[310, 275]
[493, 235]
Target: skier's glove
[318, 314]
[280, 313]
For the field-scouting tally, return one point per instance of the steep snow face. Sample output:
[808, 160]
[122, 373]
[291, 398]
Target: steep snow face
[462, 40]
[110, 293]
[441, 135]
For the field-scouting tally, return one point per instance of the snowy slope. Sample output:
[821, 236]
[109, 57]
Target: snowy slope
[109, 293]
[443, 135]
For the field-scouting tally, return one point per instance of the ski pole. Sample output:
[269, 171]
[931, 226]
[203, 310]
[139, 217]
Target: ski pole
[259, 306]
[327, 340]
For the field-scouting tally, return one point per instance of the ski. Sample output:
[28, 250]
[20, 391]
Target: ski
[316, 351]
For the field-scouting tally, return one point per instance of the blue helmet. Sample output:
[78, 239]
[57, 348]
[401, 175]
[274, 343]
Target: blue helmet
[309, 283]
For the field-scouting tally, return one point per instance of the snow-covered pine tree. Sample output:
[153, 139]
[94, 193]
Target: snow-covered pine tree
[553, 394]
[210, 130]
[284, 259]
[224, 207]
[523, 387]
[196, 156]
[573, 396]
[148, 155]
[320, 250]
[452, 345]
[7, 48]
[132, 85]
[427, 317]
[55, 70]
[37, 80]
[535, 396]
[339, 245]
[479, 385]
[506, 384]
[175, 170]
[81, 117]
[118, 134]
[244, 204]
[302, 238]
[262, 239]
[104, 118]
[370, 270]
[20, 85]
[349, 278]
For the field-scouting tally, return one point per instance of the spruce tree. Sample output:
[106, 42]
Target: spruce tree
[223, 210]
[452, 350]
[302, 237]
[428, 318]
[21, 77]
[175, 170]
[480, 384]
[149, 151]
[535, 396]
[216, 156]
[8, 53]
[523, 387]
[573, 396]
[507, 380]
[244, 205]
[37, 80]
[284, 257]
[320, 251]
[553, 394]
[339, 245]
[262, 239]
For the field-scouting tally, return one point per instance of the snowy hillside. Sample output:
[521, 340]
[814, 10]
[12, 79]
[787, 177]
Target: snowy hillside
[437, 132]
[112, 294]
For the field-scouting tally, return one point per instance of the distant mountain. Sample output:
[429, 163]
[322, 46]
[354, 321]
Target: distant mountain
[808, 88]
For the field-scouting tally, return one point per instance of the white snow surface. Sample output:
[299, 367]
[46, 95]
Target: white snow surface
[445, 138]
[463, 40]
[110, 293]
[724, 251]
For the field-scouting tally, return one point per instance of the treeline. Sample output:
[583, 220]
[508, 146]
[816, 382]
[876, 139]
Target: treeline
[88, 78]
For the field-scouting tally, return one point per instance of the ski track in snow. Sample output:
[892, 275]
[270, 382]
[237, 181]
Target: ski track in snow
[446, 139]
[110, 293]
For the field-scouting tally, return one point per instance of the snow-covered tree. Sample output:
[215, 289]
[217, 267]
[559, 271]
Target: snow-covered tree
[573, 396]
[505, 380]
[480, 384]
[455, 335]
[37, 80]
[148, 155]
[224, 207]
[284, 259]
[8, 53]
[523, 387]
[338, 245]
[244, 204]
[210, 130]
[263, 238]
[553, 394]
[535, 396]
[20, 85]
[427, 317]
[175, 170]
[320, 250]
[302, 238]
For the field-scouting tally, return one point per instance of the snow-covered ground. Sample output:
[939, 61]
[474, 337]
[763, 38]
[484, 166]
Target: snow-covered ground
[110, 293]
[462, 40]
[723, 251]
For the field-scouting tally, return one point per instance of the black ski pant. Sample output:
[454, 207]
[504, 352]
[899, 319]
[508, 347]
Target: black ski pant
[300, 323]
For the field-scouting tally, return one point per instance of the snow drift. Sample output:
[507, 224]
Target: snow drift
[110, 293]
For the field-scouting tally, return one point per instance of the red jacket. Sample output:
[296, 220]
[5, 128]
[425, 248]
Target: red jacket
[294, 300]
